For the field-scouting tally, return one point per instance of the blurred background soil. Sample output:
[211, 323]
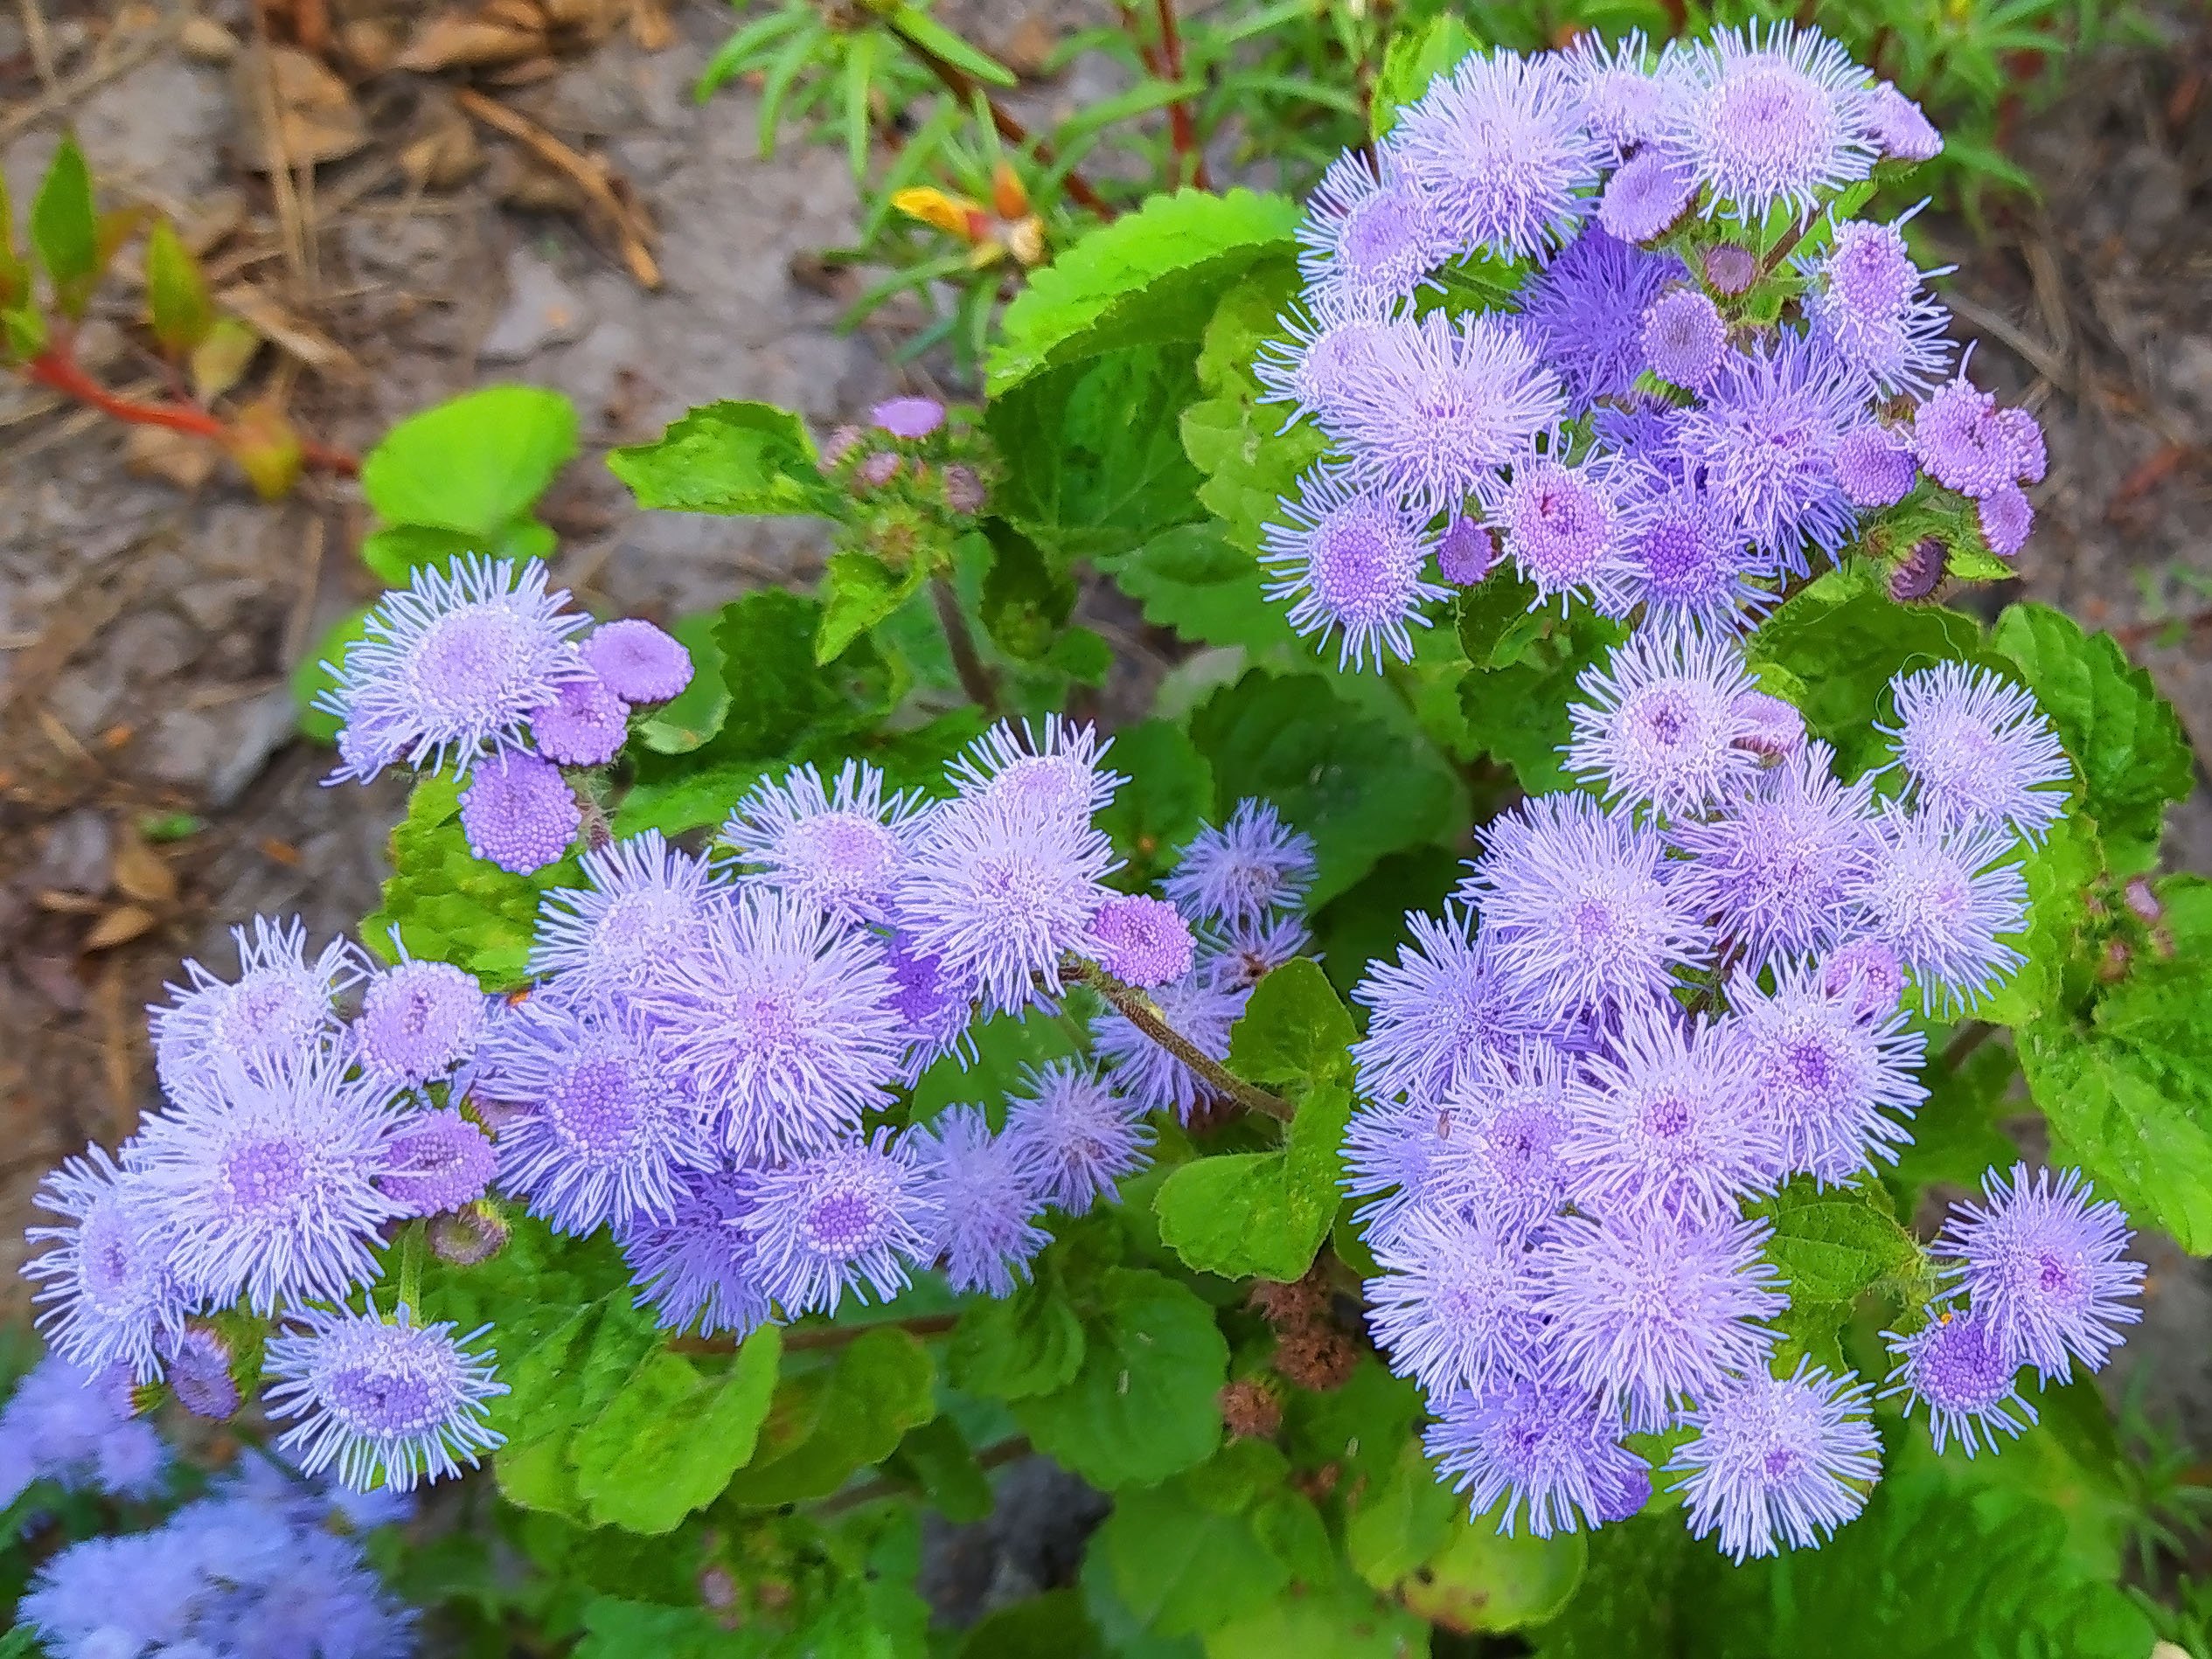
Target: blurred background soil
[398, 247]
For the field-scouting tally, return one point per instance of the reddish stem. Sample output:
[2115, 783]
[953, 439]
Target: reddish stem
[57, 369]
[1182, 131]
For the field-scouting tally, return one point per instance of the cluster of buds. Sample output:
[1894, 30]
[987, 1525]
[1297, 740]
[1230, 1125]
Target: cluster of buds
[1009, 226]
[918, 473]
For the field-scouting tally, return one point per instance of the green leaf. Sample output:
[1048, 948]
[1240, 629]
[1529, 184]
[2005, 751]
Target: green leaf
[1415, 57]
[1051, 1626]
[1026, 599]
[687, 800]
[859, 590]
[1094, 460]
[65, 228]
[311, 678]
[782, 703]
[824, 1425]
[1518, 714]
[1829, 1245]
[1360, 788]
[615, 1628]
[696, 713]
[1191, 579]
[1497, 620]
[1186, 1556]
[15, 276]
[940, 42]
[2127, 743]
[1020, 1346]
[1148, 277]
[1141, 1406]
[1264, 1214]
[1411, 1538]
[2057, 942]
[1955, 1136]
[176, 293]
[1007, 1045]
[1295, 1032]
[1368, 923]
[730, 457]
[451, 906]
[1168, 796]
[474, 463]
[396, 551]
[936, 1458]
[1345, 1619]
[668, 1443]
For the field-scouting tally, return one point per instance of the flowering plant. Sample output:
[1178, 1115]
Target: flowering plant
[1488, 1111]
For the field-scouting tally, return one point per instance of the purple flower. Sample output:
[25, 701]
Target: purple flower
[583, 723]
[1896, 125]
[1662, 1117]
[1623, 104]
[1730, 270]
[1955, 1364]
[1875, 465]
[638, 662]
[108, 1296]
[1867, 975]
[519, 812]
[879, 469]
[1648, 1305]
[1514, 1116]
[1977, 750]
[839, 847]
[1965, 443]
[1439, 1007]
[695, 1266]
[1645, 196]
[1566, 526]
[103, 1596]
[2006, 519]
[439, 1161]
[1825, 1072]
[311, 1592]
[1408, 1161]
[1370, 237]
[999, 893]
[1656, 722]
[1684, 338]
[277, 1011]
[2046, 1267]
[1779, 1459]
[1246, 952]
[1579, 908]
[1349, 559]
[781, 1023]
[199, 1362]
[987, 1196]
[1243, 870]
[1153, 1079]
[1455, 1306]
[390, 1404]
[1939, 897]
[1078, 1135]
[71, 1425]
[934, 1007]
[856, 1214]
[1499, 150]
[1585, 312]
[1766, 437]
[1767, 727]
[1865, 301]
[2024, 432]
[1542, 1445]
[1327, 353]
[1686, 561]
[647, 901]
[1466, 552]
[265, 1179]
[1056, 767]
[909, 418]
[451, 666]
[418, 1021]
[593, 1121]
[1777, 117]
[1445, 405]
[1779, 867]
[1143, 940]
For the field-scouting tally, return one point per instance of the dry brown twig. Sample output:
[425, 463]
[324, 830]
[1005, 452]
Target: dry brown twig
[606, 190]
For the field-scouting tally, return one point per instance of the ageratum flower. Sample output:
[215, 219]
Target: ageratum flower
[120, 1595]
[839, 847]
[910, 418]
[781, 1024]
[1369, 236]
[646, 902]
[1656, 722]
[1143, 940]
[1056, 767]
[2045, 1268]
[1875, 465]
[1767, 727]
[1244, 870]
[1762, 118]
[1830, 1076]
[391, 1404]
[857, 1214]
[67, 1424]
[582, 724]
[638, 662]
[2004, 519]
[419, 1020]
[1566, 526]
[1978, 749]
[199, 1364]
[935, 1008]
[1245, 953]
[519, 812]
[439, 1161]
[1778, 1460]
[1408, 1161]
[1499, 150]
[452, 666]
[1687, 560]
[1546, 1447]
[1867, 975]
[1864, 299]
[1077, 1134]
[1898, 127]
[1454, 1307]
[987, 1195]
[1196, 1007]
[1440, 1006]
[279, 1009]
[265, 1180]
[1585, 313]
[1328, 351]
[1645, 196]
[1350, 561]
[1941, 898]
[1955, 1364]
[1623, 103]
[107, 1293]
[1684, 338]
[1967, 443]
[695, 1266]
[1511, 1117]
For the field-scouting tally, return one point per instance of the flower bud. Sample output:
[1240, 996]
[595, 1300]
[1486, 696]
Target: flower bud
[2144, 901]
[879, 469]
[1729, 269]
[964, 490]
[469, 1236]
[1467, 553]
[2113, 964]
[1917, 574]
[839, 444]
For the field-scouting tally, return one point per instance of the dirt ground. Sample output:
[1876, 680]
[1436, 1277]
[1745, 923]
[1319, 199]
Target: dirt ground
[148, 626]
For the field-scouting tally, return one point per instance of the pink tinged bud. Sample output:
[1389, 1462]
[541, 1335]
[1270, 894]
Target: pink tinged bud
[2144, 901]
[2113, 964]
[1730, 270]
[467, 1236]
[909, 418]
[879, 469]
[1467, 553]
[1918, 573]
[840, 443]
[1766, 726]
[964, 490]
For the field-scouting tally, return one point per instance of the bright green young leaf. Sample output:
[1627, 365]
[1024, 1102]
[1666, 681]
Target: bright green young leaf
[730, 457]
[1341, 1620]
[1831, 1243]
[687, 800]
[65, 228]
[824, 1425]
[1141, 1406]
[1264, 1214]
[1357, 786]
[1295, 1032]
[696, 713]
[1170, 793]
[2124, 738]
[1027, 598]
[475, 463]
[2057, 940]
[1082, 655]
[1415, 57]
[1184, 1566]
[859, 590]
[936, 1458]
[1497, 620]
[396, 551]
[668, 1443]
[938, 41]
[176, 292]
[1146, 278]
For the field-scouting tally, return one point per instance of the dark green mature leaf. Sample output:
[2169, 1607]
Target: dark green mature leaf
[824, 1425]
[1188, 1555]
[1170, 793]
[1019, 1346]
[1345, 1619]
[1026, 599]
[781, 701]
[1830, 1245]
[668, 1443]
[475, 463]
[65, 228]
[1095, 462]
[1191, 579]
[1007, 1045]
[1148, 277]
[730, 457]
[1496, 619]
[1358, 787]
[1518, 714]
[1051, 1626]
[936, 1458]
[451, 906]
[1415, 57]
[1357, 1429]
[1141, 1406]
[2057, 941]
[1955, 1136]
[696, 713]
[2127, 743]
[1368, 922]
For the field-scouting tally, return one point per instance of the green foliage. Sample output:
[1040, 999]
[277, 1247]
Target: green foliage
[729, 457]
[825, 1423]
[1169, 793]
[463, 475]
[65, 229]
[670, 1442]
[1830, 1246]
[1416, 56]
[176, 297]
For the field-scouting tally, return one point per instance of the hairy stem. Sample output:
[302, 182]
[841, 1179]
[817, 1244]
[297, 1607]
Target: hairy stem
[838, 1335]
[1141, 1012]
[414, 1247]
[57, 369]
[1968, 1038]
[975, 677]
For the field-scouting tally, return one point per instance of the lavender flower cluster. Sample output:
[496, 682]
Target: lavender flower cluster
[1656, 1002]
[1712, 374]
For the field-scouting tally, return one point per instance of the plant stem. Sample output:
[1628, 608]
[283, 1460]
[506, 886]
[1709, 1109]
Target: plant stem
[838, 1335]
[1141, 1012]
[1781, 249]
[1182, 131]
[58, 369]
[413, 1247]
[1965, 1041]
[975, 677]
[1007, 1451]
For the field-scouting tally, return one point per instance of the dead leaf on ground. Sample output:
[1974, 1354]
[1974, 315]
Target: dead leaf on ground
[204, 40]
[140, 873]
[174, 457]
[369, 44]
[118, 926]
[316, 118]
[451, 40]
[445, 157]
[650, 29]
[300, 339]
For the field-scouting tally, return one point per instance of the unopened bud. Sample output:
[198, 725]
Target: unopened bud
[2113, 964]
[2144, 901]
[1467, 553]
[1729, 269]
[964, 490]
[717, 1590]
[1766, 726]
[839, 444]
[1918, 573]
[199, 1373]
[1250, 1411]
[879, 469]
[469, 1236]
